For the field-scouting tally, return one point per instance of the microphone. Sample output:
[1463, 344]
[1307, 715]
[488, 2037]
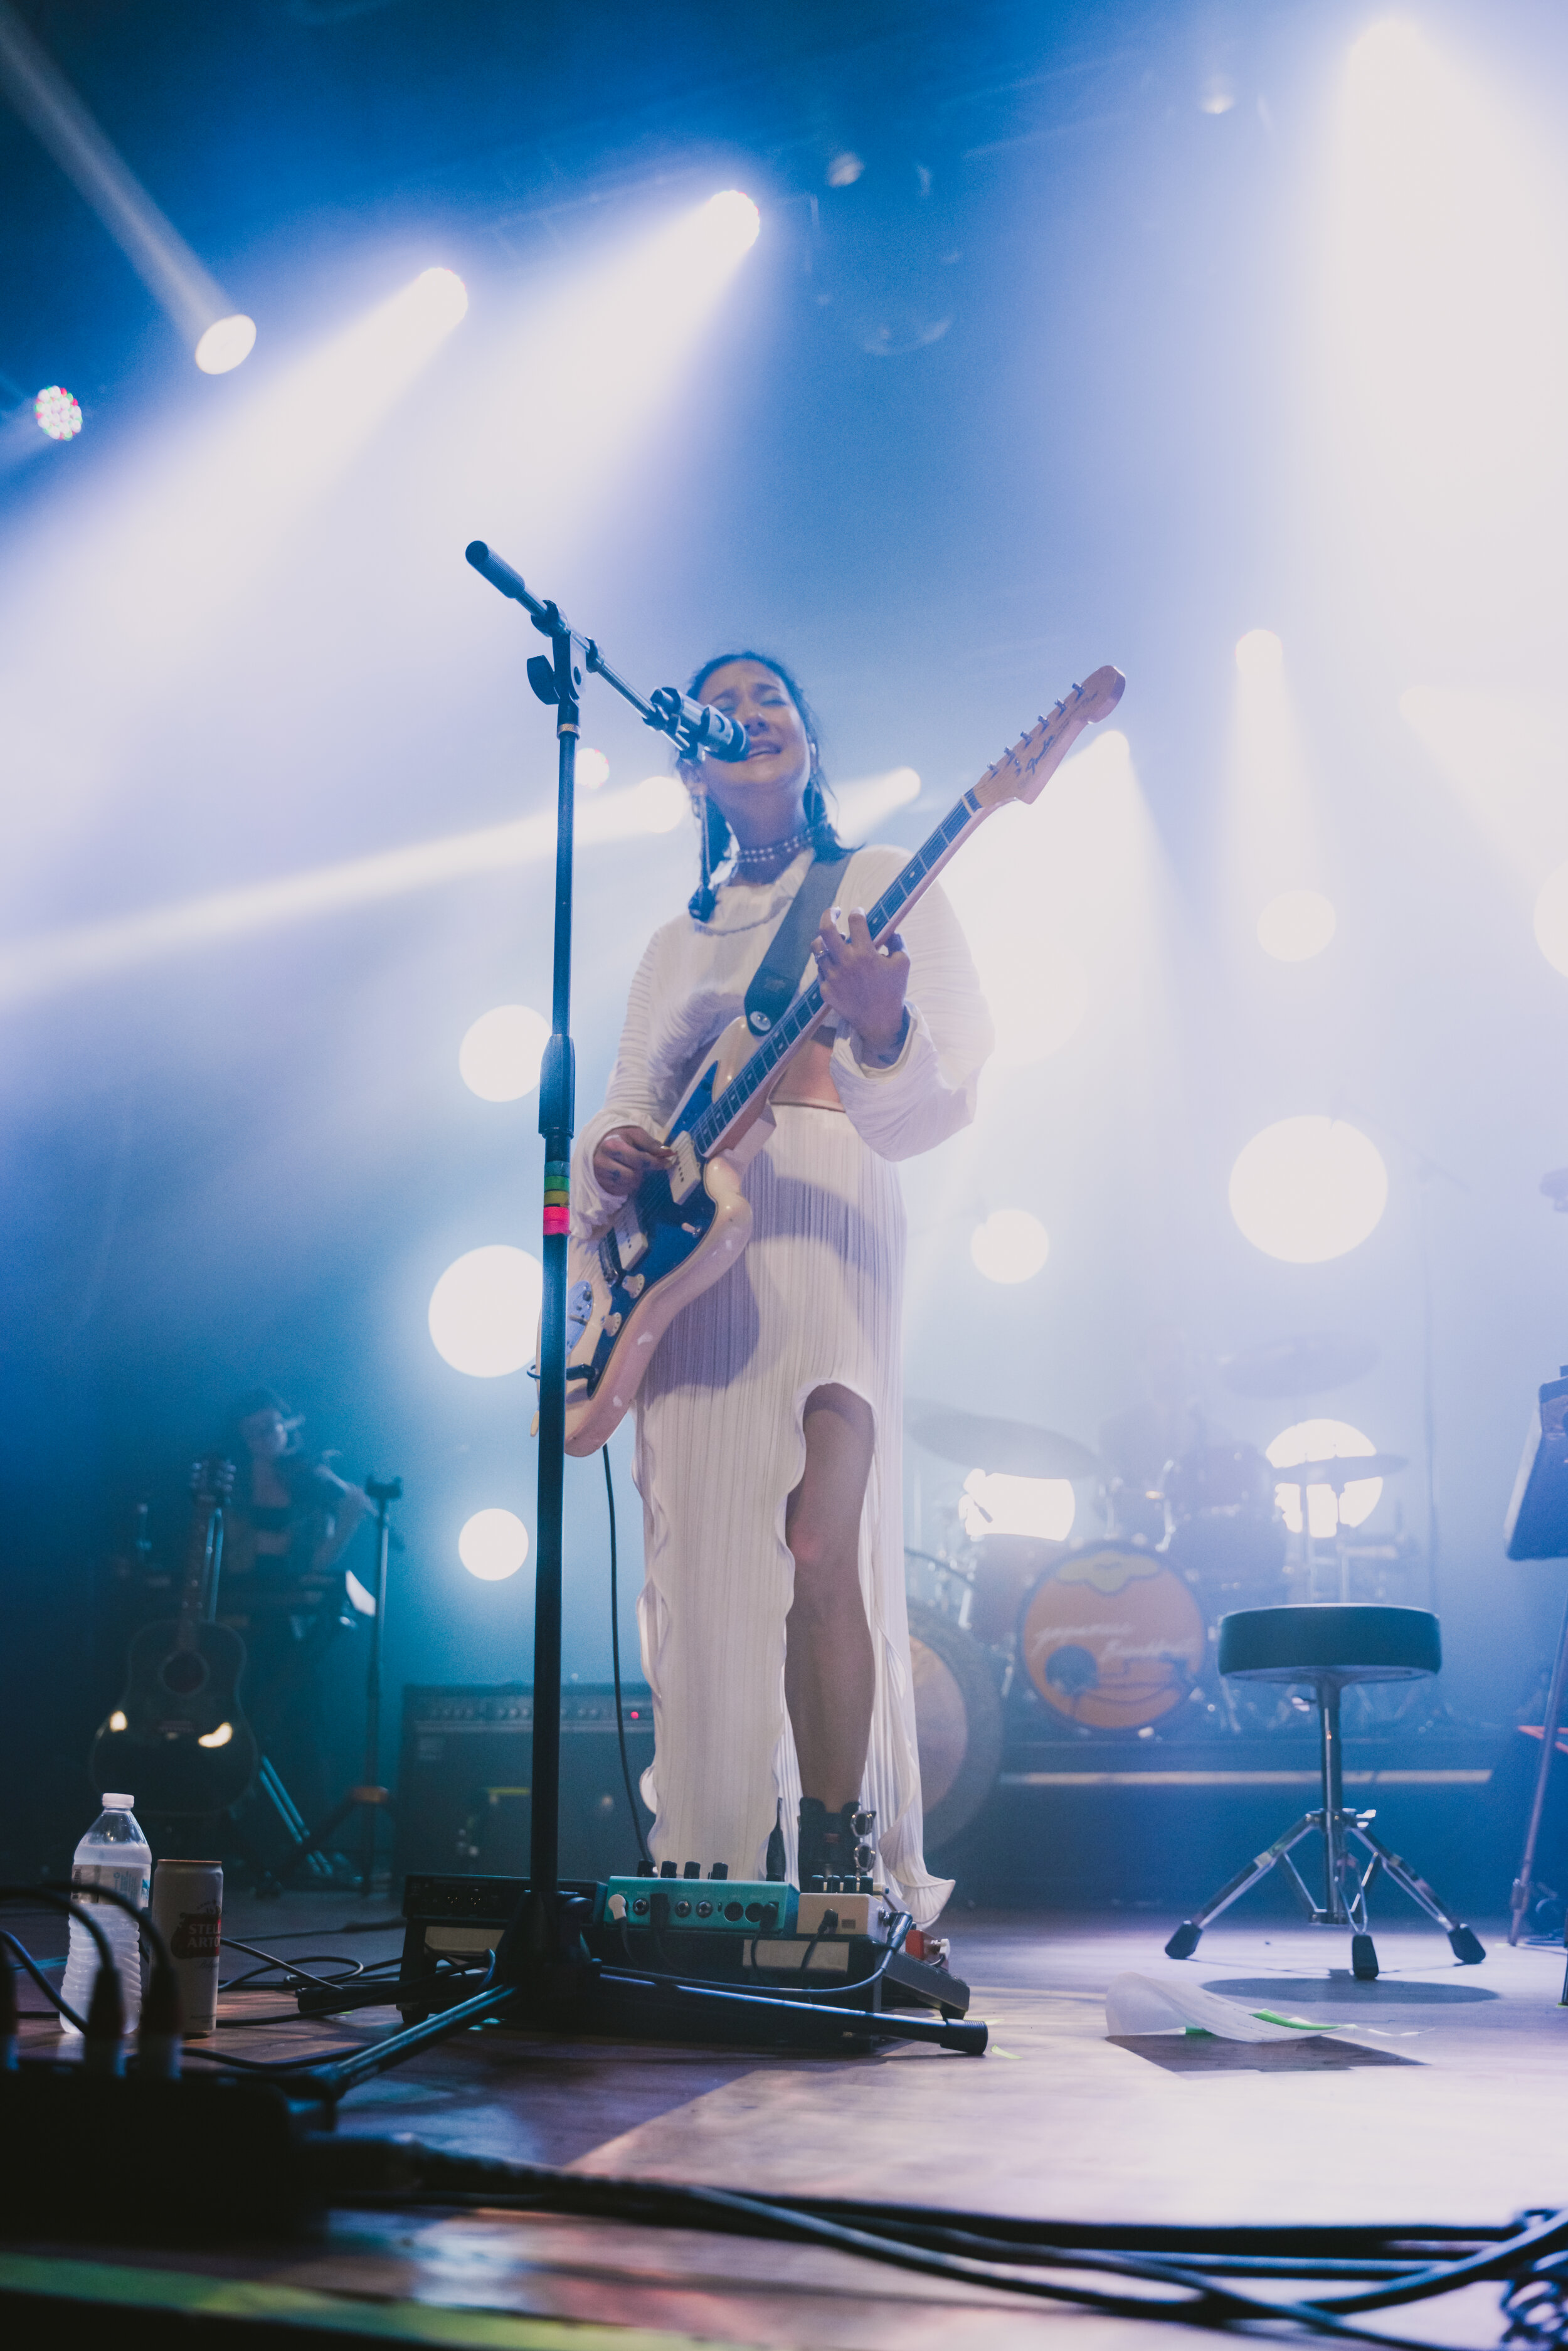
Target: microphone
[499, 574]
[697, 726]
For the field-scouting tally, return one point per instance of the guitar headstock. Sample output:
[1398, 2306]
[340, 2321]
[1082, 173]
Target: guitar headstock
[212, 1479]
[1022, 772]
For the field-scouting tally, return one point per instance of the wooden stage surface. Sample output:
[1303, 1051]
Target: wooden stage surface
[1439, 2099]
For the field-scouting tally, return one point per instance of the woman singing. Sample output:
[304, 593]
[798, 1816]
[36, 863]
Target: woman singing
[769, 1424]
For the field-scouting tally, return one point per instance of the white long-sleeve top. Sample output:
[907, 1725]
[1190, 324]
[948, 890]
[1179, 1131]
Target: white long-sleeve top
[815, 1300]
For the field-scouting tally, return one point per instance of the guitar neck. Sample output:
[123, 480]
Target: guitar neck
[755, 1078]
[202, 1507]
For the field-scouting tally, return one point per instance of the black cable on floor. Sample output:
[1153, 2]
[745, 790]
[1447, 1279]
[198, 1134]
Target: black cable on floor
[978, 2249]
[57, 2000]
[615, 1661]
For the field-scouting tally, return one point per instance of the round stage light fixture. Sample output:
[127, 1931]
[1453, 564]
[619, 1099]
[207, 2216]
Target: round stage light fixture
[1043, 1508]
[1552, 920]
[1308, 1189]
[1324, 1440]
[484, 1310]
[442, 295]
[1259, 653]
[500, 1055]
[661, 802]
[593, 770]
[493, 1545]
[733, 220]
[1296, 925]
[56, 412]
[227, 342]
[1010, 1246]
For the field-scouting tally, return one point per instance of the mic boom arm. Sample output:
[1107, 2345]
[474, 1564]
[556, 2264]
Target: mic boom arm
[694, 728]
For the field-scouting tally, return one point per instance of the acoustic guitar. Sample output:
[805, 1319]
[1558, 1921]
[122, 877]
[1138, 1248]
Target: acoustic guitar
[687, 1224]
[179, 1738]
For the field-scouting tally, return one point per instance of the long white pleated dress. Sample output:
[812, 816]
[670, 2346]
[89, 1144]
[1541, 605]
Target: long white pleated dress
[816, 1298]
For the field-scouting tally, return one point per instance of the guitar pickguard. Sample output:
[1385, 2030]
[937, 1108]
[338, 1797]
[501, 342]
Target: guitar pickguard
[650, 1239]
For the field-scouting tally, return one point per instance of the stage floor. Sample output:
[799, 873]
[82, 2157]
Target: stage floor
[1434, 2096]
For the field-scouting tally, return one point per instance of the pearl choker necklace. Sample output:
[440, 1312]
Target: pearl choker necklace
[747, 860]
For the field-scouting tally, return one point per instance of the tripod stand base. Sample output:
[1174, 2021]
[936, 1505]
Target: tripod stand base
[1346, 1899]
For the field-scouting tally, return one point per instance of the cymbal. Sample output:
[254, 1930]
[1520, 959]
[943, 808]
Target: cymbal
[1344, 1469]
[1300, 1365]
[1014, 1447]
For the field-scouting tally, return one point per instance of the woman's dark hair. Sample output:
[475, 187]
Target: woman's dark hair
[717, 840]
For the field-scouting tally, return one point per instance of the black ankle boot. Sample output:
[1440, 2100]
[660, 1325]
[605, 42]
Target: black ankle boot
[834, 1844]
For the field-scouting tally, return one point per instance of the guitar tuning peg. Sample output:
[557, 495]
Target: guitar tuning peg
[1076, 687]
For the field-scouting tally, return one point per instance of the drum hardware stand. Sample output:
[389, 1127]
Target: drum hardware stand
[542, 1973]
[1536, 1527]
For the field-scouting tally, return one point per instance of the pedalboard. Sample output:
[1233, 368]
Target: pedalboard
[744, 1933]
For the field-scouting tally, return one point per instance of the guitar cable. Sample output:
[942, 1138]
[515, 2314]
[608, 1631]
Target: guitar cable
[647, 1869]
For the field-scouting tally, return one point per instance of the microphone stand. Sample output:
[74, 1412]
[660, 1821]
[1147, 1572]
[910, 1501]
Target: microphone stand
[543, 1944]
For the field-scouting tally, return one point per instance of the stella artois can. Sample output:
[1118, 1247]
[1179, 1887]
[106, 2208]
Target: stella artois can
[188, 1905]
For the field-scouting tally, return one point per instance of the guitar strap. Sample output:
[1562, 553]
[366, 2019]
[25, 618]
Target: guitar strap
[777, 981]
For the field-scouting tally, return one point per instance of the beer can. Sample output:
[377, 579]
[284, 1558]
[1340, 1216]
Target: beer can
[188, 1906]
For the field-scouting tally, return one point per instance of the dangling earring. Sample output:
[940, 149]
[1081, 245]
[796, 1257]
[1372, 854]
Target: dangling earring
[703, 903]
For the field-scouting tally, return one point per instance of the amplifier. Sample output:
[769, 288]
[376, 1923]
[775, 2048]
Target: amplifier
[466, 1768]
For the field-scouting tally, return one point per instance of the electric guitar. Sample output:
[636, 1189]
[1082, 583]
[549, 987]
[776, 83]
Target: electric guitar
[687, 1224]
[178, 1737]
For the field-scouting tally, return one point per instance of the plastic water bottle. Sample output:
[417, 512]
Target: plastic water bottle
[115, 1853]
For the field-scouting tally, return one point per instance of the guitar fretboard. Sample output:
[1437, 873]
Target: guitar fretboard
[803, 1013]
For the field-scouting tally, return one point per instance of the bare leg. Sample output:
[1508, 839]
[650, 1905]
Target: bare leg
[830, 1672]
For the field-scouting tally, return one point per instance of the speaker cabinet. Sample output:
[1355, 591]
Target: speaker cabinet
[467, 1769]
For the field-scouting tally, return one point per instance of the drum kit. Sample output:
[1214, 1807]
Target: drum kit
[1115, 1632]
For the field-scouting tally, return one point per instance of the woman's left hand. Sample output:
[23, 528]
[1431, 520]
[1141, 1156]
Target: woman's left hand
[863, 984]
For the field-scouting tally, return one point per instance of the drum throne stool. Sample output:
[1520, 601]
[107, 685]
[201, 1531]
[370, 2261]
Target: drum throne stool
[1325, 1648]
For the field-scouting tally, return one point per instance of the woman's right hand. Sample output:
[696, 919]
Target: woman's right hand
[624, 1157]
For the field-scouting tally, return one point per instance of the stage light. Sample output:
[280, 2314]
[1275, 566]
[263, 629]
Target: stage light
[57, 413]
[593, 770]
[225, 343]
[1043, 1508]
[1307, 1189]
[732, 222]
[659, 803]
[484, 1310]
[1296, 925]
[1259, 653]
[1323, 1440]
[1552, 920]
[493, 1545]
[51, 960]
[441, 298]
[500, 1054]
[1010, 1246]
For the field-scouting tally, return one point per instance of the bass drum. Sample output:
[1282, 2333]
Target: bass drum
[958, 1722]
[1111, 1637]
